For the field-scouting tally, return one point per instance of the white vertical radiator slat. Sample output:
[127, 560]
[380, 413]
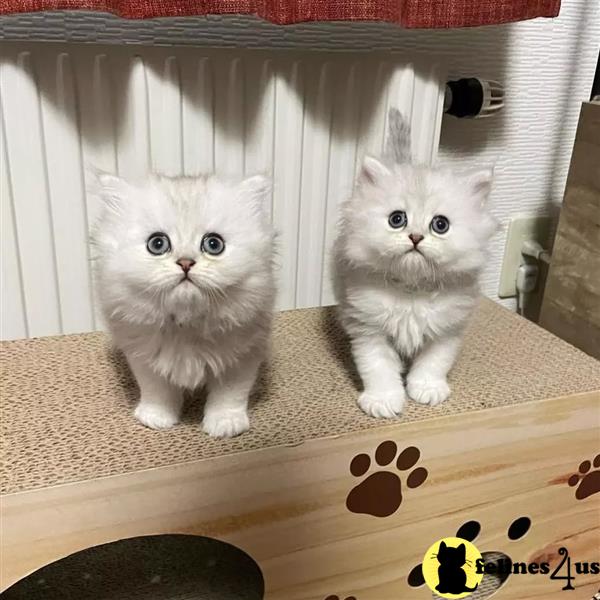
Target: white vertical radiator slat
[198, 116]
[229, 113]
[260, 111]
[431, 102]
[66, 188]
[13, 323]
[305, 119]
[28, 176]
[287, 173]
[133, 138]
[374, 94]
[342, 158]
[314, 186]
[165, 115]
[402, 92]
[98, 114]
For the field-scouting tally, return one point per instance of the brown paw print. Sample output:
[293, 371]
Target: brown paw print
[338, 598]
[380, 494]
[587, 482]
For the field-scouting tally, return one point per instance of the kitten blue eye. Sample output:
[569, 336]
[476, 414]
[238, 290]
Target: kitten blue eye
[397, 219]
[158, 243]
[440, 224]
[212, 243]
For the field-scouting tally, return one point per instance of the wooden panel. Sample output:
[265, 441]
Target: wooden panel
[286, 506]
[571, 305]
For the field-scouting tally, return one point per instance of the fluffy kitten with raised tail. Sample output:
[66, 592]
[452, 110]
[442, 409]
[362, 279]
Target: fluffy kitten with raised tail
[184, 274]
[410, 247]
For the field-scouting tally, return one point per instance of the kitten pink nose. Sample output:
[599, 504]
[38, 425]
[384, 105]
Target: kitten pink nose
[415, 238]
[186, 264]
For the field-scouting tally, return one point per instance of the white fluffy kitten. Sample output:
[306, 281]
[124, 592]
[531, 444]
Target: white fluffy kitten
[185, 279]
[409, 251]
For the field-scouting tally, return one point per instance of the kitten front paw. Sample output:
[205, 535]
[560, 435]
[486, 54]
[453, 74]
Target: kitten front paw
[155, 417]
[225, 424]
[428, 391]
[382, 405]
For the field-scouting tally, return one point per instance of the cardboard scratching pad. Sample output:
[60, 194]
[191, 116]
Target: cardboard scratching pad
[302, 493]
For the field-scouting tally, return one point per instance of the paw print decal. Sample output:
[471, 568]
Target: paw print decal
[469, 531]
[380, 494]
[587, 481]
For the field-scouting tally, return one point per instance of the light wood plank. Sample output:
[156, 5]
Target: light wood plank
[571, 304]
[286, 506]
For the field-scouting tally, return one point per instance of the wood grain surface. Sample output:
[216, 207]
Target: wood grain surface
[571, 304]
[286, 506]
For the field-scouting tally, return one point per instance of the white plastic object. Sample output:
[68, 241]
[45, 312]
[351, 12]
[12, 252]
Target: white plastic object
[535, 250]
[526, 282]
[493, 98]
[473, 98]
[527, 277]
[521, 229]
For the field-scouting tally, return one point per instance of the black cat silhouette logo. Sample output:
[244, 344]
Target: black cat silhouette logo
[468, 533]
[449, 568]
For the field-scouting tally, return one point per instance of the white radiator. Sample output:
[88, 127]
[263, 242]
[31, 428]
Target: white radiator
[304, 118]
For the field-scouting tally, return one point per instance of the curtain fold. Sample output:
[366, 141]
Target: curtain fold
[428, 14]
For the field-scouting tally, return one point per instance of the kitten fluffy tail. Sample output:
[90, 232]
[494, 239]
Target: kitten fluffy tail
[397, 147]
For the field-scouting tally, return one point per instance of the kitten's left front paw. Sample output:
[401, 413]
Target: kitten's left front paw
[382, 404]
[428, 391]
[226, 423]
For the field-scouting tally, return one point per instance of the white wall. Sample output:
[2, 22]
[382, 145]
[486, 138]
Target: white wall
[547, 67]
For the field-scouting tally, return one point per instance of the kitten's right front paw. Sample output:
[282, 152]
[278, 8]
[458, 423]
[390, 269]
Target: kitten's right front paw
[226, 423]
[155, 417]
[382, 405]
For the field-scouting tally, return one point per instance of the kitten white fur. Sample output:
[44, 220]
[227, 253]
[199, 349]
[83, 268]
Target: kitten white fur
[400, 305]
[211, 329]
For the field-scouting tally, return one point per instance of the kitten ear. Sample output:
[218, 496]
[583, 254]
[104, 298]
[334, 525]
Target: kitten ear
[442, 546]
[256, 190]
[106, 186]
[462, 549]
[257, 187]
[480, 183]
[372, 171]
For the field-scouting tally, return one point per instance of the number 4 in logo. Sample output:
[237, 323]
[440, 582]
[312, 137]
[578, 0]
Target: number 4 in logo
[568, 577]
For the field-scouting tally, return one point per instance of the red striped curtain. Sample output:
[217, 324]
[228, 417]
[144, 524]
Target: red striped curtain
[408, 13]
